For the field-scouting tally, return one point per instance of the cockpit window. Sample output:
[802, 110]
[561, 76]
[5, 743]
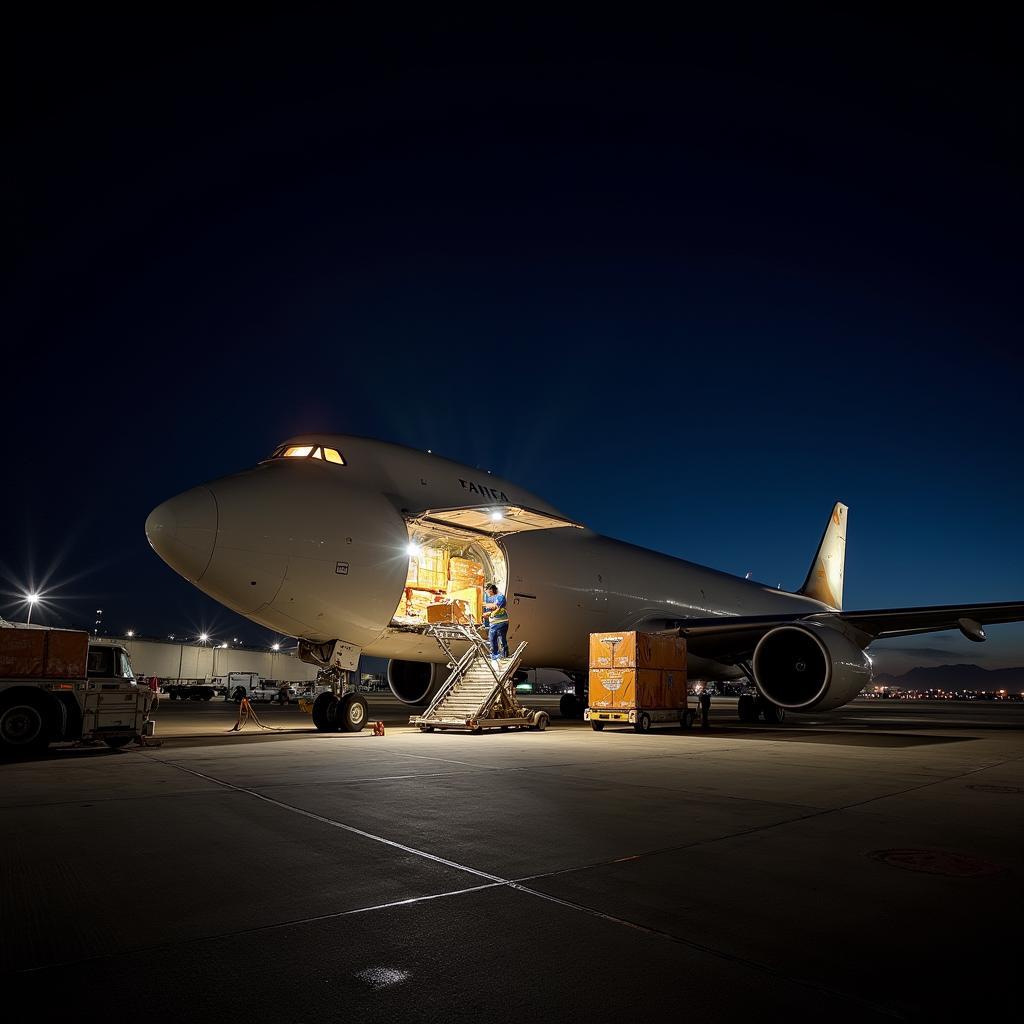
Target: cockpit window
[309, 451]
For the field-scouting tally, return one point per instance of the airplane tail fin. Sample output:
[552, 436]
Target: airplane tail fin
[825, 578]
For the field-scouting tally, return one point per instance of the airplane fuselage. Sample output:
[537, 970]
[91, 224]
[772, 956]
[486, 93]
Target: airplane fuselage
[320, 551]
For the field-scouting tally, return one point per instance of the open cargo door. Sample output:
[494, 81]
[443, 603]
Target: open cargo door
[491, 520]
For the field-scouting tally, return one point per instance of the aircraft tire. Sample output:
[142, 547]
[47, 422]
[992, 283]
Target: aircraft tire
[569, 706]
[773, 714]
[352, 713]
[325, 712]
[747, 708]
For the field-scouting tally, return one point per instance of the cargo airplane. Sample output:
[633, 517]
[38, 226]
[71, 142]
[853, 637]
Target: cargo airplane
[343, 542]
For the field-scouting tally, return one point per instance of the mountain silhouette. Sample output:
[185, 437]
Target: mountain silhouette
[955, 677]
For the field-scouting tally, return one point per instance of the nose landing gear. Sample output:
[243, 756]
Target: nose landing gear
[337, 711]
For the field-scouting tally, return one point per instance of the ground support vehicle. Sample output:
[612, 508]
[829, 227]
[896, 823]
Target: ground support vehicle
[56, 686]
[637, 679]
[479, 694]
[190, 691]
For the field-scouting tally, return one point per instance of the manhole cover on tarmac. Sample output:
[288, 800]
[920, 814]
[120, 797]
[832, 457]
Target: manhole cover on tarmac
[937, 862]
[997, 789]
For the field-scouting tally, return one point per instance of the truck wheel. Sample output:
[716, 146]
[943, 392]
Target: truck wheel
[643, 722]
[596, 726]
[115, 742]
[540, 721]
[686, 720]
[325, 712]
[353, 712]
[24, 726]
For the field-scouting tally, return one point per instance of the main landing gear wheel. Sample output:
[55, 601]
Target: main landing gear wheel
[773, 714]
[325, 712]
[352, 713]
[596, 726]
[570, 706]
[643, 722]
[746, 707]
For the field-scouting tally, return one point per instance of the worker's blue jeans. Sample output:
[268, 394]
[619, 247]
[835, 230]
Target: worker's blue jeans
[497, 633]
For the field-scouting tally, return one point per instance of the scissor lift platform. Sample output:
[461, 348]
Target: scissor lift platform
[478, 694]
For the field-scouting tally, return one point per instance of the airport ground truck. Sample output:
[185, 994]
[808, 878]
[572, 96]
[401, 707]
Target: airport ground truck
[637, 679]
[56, 686]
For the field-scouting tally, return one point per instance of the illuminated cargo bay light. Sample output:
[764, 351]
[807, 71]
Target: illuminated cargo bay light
[497, 517]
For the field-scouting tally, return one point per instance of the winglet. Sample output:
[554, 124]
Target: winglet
[825, 579]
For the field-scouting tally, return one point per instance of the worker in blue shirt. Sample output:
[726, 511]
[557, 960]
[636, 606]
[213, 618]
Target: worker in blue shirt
[497, 621]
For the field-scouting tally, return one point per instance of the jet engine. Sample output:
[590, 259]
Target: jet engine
[810, 666]
[414, 682]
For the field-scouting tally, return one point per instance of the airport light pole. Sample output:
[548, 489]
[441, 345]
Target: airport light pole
[32, 598]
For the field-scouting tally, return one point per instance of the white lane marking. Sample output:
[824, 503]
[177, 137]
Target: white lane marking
[338, 824]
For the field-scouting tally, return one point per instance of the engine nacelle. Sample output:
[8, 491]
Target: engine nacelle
[414, 682]
[810, 666]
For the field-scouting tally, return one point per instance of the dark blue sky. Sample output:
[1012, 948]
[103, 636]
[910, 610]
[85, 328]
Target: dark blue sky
[706, 281]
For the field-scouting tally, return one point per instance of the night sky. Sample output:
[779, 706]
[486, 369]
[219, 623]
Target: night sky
[691, 286]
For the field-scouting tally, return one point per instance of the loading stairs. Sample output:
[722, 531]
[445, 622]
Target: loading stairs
[478, 694]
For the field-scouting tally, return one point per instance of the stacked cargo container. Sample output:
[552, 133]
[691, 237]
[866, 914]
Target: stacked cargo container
[637, 679]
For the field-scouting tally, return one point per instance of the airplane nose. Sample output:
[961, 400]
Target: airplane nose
[183, 531]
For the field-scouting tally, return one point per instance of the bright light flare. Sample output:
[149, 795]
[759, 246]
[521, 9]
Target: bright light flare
[275, 647]
[413, 550]
[203, 637]
[496, 517]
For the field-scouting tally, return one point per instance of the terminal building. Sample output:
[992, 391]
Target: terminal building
[172, 661]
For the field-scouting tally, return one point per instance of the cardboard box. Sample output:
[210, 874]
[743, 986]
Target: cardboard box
[464, 572]
[472, 598]
[428, 569]
[454, 611]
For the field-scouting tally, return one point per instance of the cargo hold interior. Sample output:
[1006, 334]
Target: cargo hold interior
[447, 572]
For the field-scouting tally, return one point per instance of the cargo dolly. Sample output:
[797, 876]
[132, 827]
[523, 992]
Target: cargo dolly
[478, 694]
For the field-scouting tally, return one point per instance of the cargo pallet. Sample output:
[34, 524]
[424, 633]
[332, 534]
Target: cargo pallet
[477, 695]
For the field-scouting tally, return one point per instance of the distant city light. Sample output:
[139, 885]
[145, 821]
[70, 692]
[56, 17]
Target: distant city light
[131, 632]
[224, 645]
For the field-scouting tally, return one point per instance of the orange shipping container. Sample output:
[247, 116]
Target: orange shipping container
[631, 649]
[642, 688]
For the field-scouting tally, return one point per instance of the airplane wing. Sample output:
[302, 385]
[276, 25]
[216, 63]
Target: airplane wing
[735, 638]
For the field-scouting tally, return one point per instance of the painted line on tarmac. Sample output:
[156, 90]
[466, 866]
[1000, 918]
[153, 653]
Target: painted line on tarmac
[338, 824]
[214, 936]
[498, 881]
